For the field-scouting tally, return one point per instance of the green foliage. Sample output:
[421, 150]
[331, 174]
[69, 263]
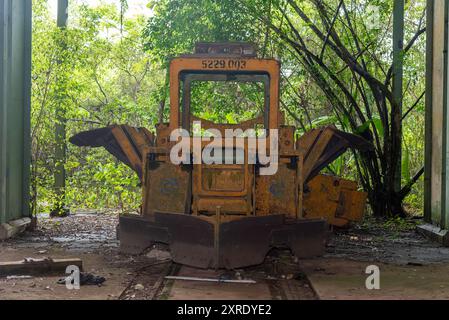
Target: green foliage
[101, 76]
[227, 102]
[398, 224]
[320, 87]
[114, 70]
[177, 26]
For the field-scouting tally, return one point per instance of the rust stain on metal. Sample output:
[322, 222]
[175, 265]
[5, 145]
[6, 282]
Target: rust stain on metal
[335, 199]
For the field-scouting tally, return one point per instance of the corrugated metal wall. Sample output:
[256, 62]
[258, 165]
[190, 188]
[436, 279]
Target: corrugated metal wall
[15, 90]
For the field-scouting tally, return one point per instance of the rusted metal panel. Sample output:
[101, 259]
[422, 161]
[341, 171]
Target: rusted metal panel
[137, 233]
[262, 195]
[283, 191]
[218, 179]
[322, 146]
[191, 239]
[126, 143]
[242, 242]
[167, 188]
[352, 205]
[334, 199]
[321, 198]
[247, 241]
[229, 205]
[237, 49]
[306, 238]
[286, 138]
[129, 148]
[315, 151]
[228, 186]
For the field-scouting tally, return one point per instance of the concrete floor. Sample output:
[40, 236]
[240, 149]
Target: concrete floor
[339, 279]
[410, 267]
[46, 287]
[91, 237]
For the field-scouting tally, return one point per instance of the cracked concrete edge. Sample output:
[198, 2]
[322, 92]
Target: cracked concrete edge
[13, 228]
[434, 233]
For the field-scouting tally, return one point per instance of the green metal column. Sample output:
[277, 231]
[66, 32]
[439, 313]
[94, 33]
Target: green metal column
[15, 90]
[398, 72]
[428, 115]
[444, 214]
[60, 126]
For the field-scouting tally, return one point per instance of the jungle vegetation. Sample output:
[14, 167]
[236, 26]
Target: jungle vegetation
[108, 68]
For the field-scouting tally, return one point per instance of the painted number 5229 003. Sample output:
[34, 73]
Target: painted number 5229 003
[223, 64]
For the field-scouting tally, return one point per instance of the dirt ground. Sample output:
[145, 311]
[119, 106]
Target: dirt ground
[391, 243]
[92, 237]
[411, 267]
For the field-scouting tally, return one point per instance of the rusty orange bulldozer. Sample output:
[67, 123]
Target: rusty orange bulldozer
[215, 215]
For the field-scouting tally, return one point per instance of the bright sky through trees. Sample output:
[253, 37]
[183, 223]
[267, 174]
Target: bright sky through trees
[136, 7]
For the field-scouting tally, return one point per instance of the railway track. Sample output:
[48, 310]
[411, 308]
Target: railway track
[278, 278]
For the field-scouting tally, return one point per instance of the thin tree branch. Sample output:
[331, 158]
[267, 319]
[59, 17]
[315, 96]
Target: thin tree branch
[413, 106]
[330, 28]
[408, 187]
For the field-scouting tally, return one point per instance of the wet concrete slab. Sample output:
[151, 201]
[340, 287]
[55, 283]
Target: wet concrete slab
[343, 279]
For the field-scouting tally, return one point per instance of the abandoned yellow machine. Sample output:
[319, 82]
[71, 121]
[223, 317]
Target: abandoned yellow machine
[229, 215]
